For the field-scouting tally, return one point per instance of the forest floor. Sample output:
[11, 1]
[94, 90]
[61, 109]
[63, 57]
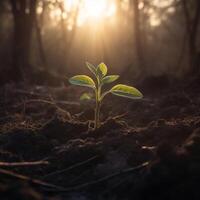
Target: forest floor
[145, 149]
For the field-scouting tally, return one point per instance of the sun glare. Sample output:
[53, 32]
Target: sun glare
[96, 11]
[92, 10]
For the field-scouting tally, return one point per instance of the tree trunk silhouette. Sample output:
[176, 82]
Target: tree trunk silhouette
[68, 36]
[23, 15]
[40, 44]
[192, 26]
[138, 36]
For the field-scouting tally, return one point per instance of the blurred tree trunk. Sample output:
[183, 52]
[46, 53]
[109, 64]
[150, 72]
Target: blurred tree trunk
[138, 36]
[74, 27]
[119, 11]
[63, 27]
[24, 12]
[40, 43]
[68, 36]
[192, 19]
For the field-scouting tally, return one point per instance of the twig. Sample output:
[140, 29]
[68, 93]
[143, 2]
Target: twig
[101, 180]
[30, 93]
[50, 102]
[71, 167]
[56, 188]
[26, 178]
[15, 164]
[120, 116]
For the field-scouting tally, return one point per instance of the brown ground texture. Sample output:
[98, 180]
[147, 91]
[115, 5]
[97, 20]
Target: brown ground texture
[145, 149]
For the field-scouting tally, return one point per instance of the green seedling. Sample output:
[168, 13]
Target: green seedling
[101, 79]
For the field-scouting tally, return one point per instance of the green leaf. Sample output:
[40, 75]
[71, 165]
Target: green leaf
[126, 91]
[82, 80]
[109, 79]
[102, 70]
[92, 68]
[85, 97]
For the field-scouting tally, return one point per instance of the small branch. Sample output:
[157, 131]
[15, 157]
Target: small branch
[119, 116]
[24, 92]
[101, 180]
[21, 164]
[71, 167]
[50, 102]
[56, 188]
[26, 178]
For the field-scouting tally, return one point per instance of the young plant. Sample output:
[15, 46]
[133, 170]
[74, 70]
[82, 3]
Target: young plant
[101, 79]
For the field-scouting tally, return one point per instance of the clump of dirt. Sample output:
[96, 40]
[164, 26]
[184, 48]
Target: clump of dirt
[62, 130]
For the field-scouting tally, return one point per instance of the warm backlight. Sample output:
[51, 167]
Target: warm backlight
[92, 10]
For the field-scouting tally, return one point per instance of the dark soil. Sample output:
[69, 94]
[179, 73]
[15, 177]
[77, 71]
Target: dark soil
[51, 124]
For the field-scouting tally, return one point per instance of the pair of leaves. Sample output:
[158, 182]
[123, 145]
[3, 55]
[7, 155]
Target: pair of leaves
[86, 81]
[119, 90]
[100, 71]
